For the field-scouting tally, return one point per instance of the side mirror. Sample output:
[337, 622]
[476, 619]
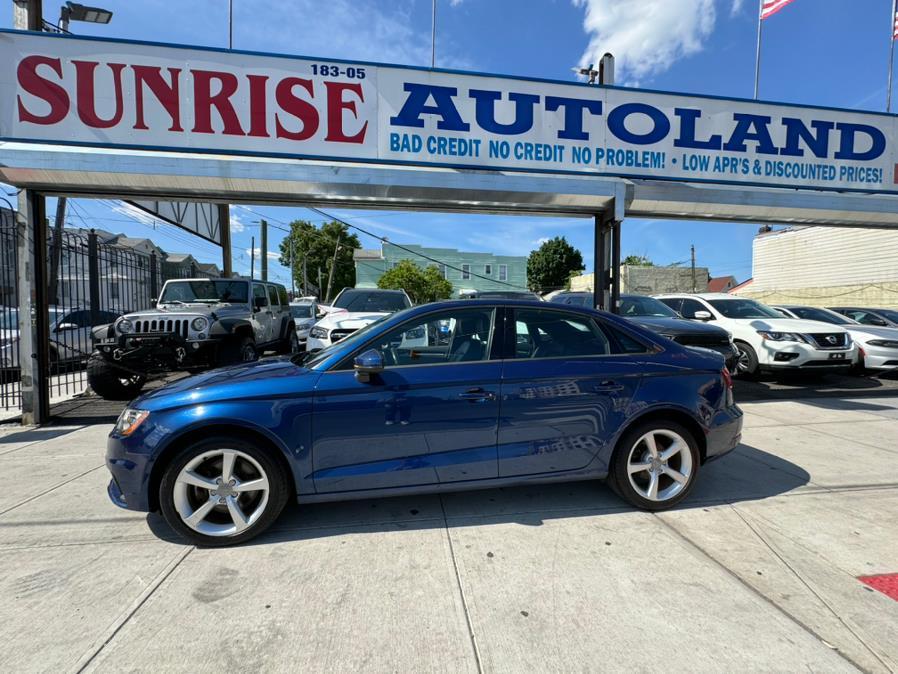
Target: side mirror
[64, 327]
[259, 303]
[703, 316]
[368, 363]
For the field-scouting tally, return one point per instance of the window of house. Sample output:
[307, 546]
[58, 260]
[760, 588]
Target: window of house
[487, 269]
[465, 272]
[443, 271]
[503, 272]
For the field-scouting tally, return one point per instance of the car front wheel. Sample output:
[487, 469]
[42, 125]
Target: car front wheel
[222, 491]
[655, 465]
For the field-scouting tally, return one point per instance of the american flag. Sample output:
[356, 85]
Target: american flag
[895, 28]
[771, 7]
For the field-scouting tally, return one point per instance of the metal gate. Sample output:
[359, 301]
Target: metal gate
[10, 391]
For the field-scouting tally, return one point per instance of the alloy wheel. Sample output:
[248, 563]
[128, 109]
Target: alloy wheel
[744, 363]
[660, 465]
[221, 492]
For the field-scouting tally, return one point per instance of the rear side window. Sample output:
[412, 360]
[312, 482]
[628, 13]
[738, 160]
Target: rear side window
[540, 333]
[273, 296]
[282, 294]
[259, 291]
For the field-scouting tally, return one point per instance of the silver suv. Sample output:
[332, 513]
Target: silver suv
[198, 323]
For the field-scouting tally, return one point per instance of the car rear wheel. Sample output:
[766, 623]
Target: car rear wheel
[747, 364]
[291, 344]
[655, 465]
[222, 491]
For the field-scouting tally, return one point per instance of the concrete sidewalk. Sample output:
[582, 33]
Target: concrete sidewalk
[757, 571]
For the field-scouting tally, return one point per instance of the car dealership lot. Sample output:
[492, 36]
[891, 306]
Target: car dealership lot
[757, 571]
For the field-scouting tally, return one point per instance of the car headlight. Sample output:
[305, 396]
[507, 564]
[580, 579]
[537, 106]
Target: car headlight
[199, 323]
[125, 326]
[129, 421]
[318, 333]
[887, 343]
[782, 336]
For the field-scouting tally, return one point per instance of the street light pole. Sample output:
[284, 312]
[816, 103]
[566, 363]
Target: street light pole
[230, 24]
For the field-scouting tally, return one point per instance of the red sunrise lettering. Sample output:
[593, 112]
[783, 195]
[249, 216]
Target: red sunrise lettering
[221, 102]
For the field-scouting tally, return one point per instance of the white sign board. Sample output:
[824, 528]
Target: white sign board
[106, 93]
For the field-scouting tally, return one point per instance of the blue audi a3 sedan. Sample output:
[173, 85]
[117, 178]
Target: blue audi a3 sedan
[446, 396]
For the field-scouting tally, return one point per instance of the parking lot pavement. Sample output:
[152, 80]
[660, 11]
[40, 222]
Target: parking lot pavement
[757, 571]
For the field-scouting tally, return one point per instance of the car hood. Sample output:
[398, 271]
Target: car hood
[266, 378]
[676, 326]
[789, 325]
[872, 332]
[304, 322]
[350, 319]
[219, 310]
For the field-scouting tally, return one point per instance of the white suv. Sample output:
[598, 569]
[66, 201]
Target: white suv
[766, 340]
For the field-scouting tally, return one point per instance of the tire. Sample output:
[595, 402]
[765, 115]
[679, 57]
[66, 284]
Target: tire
[239, 350]
[633, 449]
[110, 382]
[747, 363]
[203, 516]
[290, 345]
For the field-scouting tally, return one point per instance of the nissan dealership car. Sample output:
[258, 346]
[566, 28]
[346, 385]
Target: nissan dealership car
[765, 340]
[352, 309]
[883, 318]
[877, 346]
[518, 392]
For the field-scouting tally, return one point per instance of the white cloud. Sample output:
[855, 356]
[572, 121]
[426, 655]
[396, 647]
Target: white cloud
[737, 7]
[237, 223]
[645, 37]
[258, 254]
[134, 213]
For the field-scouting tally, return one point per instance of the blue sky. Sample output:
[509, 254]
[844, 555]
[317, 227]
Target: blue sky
[826, 52]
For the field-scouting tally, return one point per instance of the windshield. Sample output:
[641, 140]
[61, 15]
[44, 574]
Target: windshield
[744, 309]
[823, 315]
[888, 313]
[301, 310]
[635, 305]
[205, 291]
[371, 300]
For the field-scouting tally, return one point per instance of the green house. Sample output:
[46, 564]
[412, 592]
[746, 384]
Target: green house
[464, 270]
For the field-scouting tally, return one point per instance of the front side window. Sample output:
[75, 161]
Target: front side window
[891, 315]
[453, 336]
[637, 305]
[822, 315]
[541, 333]
[690, 307]
[465, 272]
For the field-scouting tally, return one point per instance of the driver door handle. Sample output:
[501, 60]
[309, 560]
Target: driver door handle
[607, 386]
[477, 395]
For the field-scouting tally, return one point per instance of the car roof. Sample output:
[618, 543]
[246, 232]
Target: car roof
[390, 291]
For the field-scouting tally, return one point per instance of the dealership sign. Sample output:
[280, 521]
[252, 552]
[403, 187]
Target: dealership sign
[109, 93]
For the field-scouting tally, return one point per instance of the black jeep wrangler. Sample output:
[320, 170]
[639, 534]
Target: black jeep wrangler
[197, 324]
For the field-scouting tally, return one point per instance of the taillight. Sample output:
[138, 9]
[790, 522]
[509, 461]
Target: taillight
[727, 379]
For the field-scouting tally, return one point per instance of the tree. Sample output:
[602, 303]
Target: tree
[638, 261]
[551, 265]
[422, 284]
[316, 246]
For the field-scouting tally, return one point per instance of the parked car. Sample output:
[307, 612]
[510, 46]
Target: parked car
[574, 298]
[304, 313]
[354, 308]
[765, 340]
[70, 335]
[198, 323]
[499, 295]
[883, 318]
[877, 346]
[658, 317]
[583, 395]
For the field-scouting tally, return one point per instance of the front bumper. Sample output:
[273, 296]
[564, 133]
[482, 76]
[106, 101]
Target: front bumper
[799, 356]
[129, 486]
[880, 358]
[157, 351]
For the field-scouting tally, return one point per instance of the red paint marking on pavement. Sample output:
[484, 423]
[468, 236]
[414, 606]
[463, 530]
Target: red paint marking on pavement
[886, 583]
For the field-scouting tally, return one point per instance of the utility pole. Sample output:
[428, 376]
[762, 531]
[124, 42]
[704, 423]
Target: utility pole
[56, 252]
[319, 284]
[433, 33]
[252, 258]
[330, 276]
[693, 267]
[305, 277]
[264, 252]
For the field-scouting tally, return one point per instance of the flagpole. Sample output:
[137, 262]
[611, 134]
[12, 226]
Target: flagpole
[891, 53]
[758, 52]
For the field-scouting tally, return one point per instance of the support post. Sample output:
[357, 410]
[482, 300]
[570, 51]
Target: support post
[224, 225]
[27, 15]
[615, 267]
[56, 252]
[264, 253]
[154, 271]
[93, 277]
[34, 321]
[602, 279]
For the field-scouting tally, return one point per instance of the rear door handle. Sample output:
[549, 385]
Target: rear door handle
[607, 386]
[477, 395]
